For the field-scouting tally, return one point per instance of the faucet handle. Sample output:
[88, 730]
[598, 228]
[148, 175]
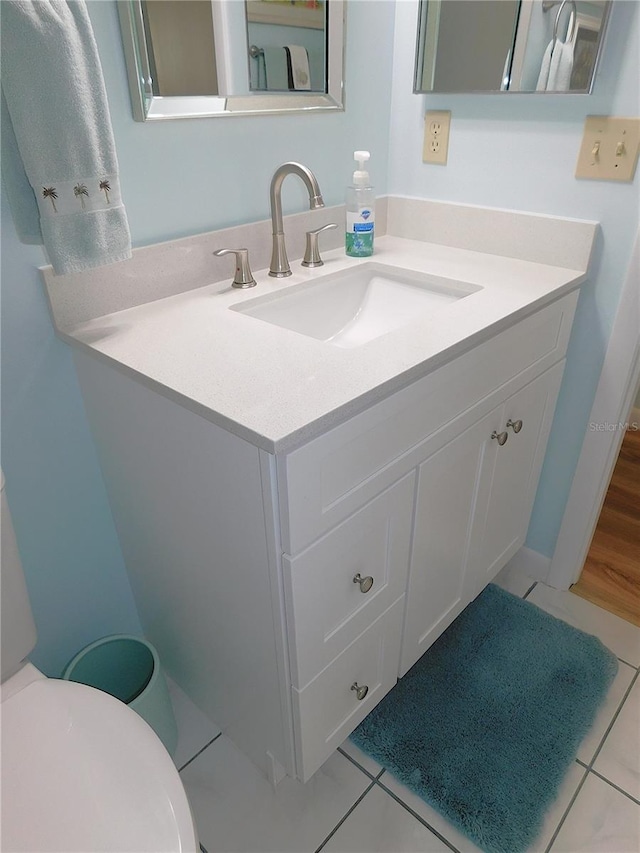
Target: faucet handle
[243, 276]
[312, 253]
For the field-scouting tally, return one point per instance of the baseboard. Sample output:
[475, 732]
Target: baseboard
[530, 563]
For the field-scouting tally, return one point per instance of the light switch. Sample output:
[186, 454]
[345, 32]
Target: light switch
[436, 136]
[609, 150]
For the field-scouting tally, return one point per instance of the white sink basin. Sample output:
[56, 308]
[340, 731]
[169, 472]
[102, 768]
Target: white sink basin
[354, 306]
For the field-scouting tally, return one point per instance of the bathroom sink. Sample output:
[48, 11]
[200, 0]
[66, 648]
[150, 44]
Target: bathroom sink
[354, 306]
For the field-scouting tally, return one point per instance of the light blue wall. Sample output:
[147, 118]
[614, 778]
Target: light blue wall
[75, 573]
[519, 152]
[178, 177]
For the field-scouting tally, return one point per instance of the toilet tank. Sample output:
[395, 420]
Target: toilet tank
[17, 625]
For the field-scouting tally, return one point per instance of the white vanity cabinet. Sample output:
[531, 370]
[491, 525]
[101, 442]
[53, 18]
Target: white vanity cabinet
[287, 592]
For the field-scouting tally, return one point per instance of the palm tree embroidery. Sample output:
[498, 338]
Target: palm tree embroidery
[80, 191]
[105, 186]
[50, 193]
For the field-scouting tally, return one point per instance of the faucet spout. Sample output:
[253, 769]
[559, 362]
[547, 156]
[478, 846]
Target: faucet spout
[279, 262]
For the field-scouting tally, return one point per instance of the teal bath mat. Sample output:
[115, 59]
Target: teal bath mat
[486, 724]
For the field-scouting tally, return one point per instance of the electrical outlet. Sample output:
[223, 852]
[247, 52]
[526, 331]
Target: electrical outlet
[436, 137]
[609, 150]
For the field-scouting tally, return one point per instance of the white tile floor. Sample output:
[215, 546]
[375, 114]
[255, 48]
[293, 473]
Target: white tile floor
[351, 805]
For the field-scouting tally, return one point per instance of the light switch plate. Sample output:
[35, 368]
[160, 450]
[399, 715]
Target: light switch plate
[436, 136]
[609, 150]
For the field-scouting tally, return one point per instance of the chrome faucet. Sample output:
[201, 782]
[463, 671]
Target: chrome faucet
[279, 261]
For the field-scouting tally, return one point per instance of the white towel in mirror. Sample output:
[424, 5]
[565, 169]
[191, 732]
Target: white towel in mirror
[543, 77]
[561, 67]
[298, 60]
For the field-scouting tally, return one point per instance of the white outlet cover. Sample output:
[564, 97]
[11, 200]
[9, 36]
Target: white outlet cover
[436, 137]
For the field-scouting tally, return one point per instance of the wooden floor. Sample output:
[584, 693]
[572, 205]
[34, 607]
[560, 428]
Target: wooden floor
[611, 574]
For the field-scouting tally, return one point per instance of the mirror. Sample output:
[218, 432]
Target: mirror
[190, 58]
[535, 46]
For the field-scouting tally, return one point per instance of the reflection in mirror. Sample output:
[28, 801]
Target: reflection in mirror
[509, 45]
[180, 44]
[189, 58]
[286, 45]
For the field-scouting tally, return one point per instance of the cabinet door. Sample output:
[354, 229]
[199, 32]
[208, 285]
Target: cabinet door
[451, 489]
[516, 472]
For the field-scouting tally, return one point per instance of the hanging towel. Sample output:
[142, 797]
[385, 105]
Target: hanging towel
[258, 72]
[543, 77]
[556, 68]
[561, 67]
[275, 63]
[298, 67]
[59, 135]
[19, 193]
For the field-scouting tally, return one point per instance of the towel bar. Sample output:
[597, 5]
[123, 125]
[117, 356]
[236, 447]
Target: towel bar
[549, 4]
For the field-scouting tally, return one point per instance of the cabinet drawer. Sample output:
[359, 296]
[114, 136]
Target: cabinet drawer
[326, 608]
[330, 477]
[328, 710]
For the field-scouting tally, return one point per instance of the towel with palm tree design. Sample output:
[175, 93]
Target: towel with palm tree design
[61, 145]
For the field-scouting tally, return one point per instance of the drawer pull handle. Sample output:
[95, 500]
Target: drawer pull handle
[516, 426]
[365, 583]
[361, 690]
[501, 437]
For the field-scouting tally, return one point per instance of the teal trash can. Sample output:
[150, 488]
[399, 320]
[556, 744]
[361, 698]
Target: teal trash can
[128, 668]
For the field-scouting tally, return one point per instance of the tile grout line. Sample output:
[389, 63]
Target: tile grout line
[359, 766]
[350, 811]
[535, 584]
[566, 812]
[199, 752]
[417, 816]
[617, 787]
[588, 768]
[613, 720]
[626, 662]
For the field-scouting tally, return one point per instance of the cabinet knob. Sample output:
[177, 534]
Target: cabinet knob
[365, 583]
[501, 437]
[361, 690]
[516, 426]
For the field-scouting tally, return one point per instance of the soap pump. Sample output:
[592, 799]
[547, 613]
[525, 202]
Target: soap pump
[360, 211]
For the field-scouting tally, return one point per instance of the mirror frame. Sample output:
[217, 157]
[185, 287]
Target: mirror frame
[149, 107]
[546, 6]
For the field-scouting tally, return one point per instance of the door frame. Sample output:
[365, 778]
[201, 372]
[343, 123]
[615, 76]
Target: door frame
[614, 398]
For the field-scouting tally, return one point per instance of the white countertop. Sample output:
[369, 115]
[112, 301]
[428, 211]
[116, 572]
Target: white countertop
[277, 388]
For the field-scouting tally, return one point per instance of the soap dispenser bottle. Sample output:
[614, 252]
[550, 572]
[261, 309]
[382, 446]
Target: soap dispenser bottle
[360, 211]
